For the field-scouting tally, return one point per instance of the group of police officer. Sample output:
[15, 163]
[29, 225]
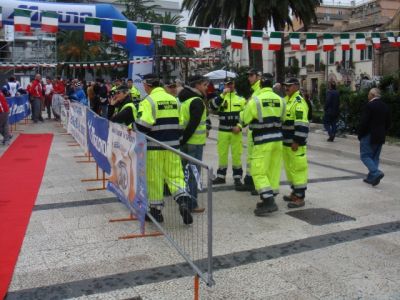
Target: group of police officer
[277, 130]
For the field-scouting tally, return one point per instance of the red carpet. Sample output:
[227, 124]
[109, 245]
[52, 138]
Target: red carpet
[21, 168]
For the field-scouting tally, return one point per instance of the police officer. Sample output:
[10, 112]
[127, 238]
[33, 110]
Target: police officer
[194, 121]
[171, 87]
[135, 93]
[122, 109]
[158, 117]
[295, 132]
[229, 105]
[263, 113]
[253, 77]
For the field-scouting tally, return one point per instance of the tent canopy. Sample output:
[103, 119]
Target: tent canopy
[220, 74]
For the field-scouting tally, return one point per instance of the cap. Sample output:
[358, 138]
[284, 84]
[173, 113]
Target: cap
[122, 88]
[253, 71]
[228, 80]
[151, 80]
[267, 76]
[291, 81]
[196, 79]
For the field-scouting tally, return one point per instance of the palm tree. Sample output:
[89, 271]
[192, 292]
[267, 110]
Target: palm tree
[140, 10]
[226, 13]
[179, 49]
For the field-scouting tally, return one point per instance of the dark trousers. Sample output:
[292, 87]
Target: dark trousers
[330, 124]
[369, 154]
[36, 109]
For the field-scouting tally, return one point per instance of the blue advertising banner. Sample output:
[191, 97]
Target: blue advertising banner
[127, 157]
[97, 131]
[19, 108]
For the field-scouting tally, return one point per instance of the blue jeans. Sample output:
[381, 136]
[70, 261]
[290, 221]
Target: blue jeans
[330, 125]
[369, 154]
[195, 151]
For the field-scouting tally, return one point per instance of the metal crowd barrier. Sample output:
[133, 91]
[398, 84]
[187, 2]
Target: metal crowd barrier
[193, 242]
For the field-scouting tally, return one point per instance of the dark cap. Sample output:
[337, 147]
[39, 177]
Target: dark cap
[122, 88]
[291, 81]
[229, 80]
[151, 80]
[267, 76]
[197, 79]
[253, 71]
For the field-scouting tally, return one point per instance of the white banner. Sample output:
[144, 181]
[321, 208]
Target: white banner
[127, 157]
[77, 124]
[64, 116]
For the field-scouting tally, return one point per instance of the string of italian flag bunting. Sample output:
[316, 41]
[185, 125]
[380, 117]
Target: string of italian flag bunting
[109, 64]
[144, 34]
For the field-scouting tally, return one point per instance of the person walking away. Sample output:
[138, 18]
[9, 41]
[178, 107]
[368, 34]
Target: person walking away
[48, 96]
[122, 109]
[228, 106]
[158, 117]
[253, 77]
[264, 113]
[36, 98]
[194, 121]
[102, 96]
[4, 114]
[375, 122]
[295, 132]
[331, 111]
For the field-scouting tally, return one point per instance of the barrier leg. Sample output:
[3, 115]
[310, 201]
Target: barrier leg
[136, 235]
[85, 161]
[93, 179]
[196, 287]
[101, 188]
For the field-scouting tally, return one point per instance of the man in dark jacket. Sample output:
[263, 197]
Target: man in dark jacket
[331, 110]
[194, 118]
[375, 122]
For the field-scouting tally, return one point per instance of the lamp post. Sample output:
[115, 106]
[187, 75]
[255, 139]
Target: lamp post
[157, 42]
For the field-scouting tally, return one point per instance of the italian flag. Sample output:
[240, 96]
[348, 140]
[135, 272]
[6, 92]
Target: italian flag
[345, 41]
[22, 20]
[192, 37]
[311, 42]
[119, 31]
[256, 42]
[49, 21]
[294, 38]
[275, 41]
[376, 40]
[236, 39]
[215, 38]
[92, 29]
[143, 33]
[360, 41]
[329, 44]
[395, 42]
[168, 35]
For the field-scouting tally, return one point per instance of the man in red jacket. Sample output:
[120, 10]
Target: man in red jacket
[4, 111]
[36, 96]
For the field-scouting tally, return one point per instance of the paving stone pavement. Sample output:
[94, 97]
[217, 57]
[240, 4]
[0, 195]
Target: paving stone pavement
[71, 251]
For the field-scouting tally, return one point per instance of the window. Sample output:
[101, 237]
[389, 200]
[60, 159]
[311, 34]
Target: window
[362, 55]
[303, 61]
[331, 57]
[317, 61]
[370, 49]
[347, 57]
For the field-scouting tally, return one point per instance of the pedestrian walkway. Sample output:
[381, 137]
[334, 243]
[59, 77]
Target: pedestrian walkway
[71, 251]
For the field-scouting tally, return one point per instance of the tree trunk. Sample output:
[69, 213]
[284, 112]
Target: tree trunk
[280, 60]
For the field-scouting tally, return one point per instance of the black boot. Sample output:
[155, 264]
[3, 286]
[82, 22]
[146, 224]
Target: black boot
[184, 210]
[156, 214]
[219, 180]
[238, 182]
[268, 206]
[247, 186]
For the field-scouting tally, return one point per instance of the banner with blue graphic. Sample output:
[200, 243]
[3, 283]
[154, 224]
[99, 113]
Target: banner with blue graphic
[19, 108]
[127, 157]
[77, 124]
[97, 139]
